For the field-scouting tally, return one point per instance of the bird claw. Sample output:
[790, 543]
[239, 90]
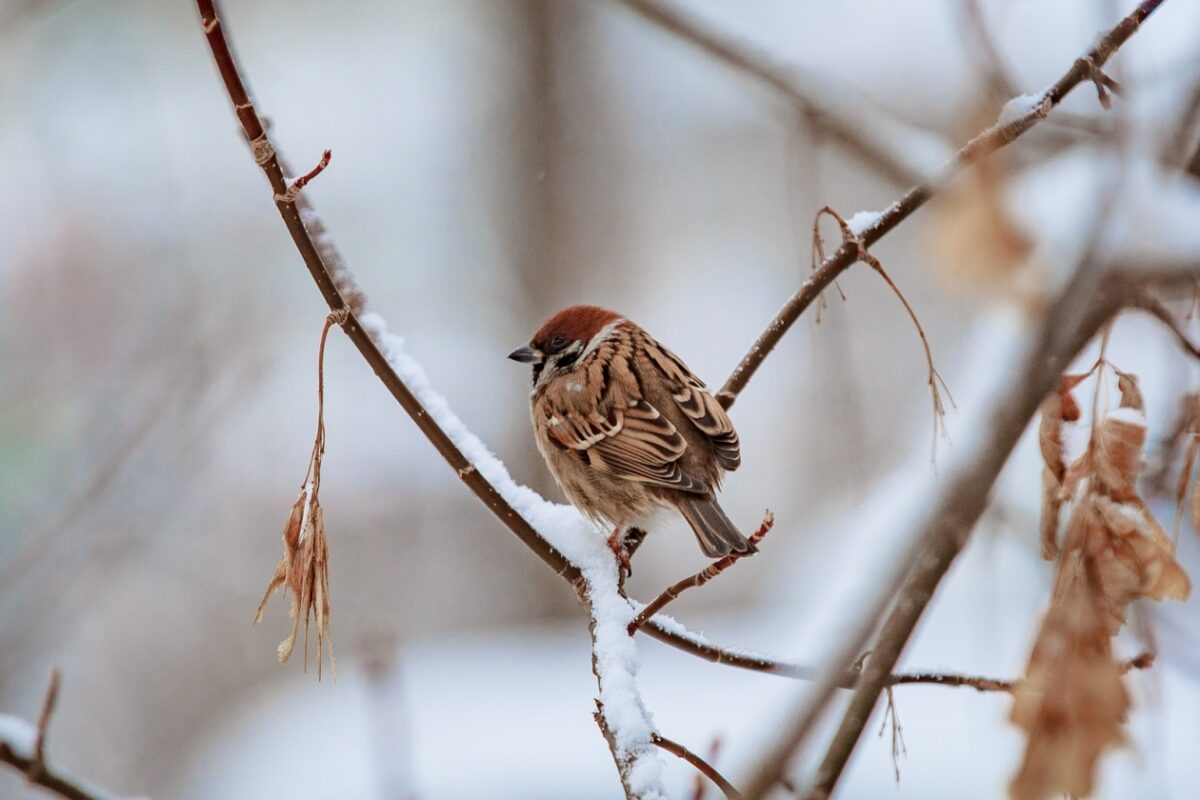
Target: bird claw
[616, 543]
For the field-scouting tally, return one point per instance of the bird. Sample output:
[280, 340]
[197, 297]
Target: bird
[626, 428]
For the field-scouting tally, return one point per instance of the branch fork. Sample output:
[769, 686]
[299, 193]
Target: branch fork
[700, 578]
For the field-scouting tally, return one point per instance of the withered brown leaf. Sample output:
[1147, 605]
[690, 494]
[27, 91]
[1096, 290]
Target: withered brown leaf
[303, 569]
[1072, 703]
[1131, 393]
[1057, 409]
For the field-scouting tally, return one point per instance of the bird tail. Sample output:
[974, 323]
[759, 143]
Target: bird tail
[716, 534]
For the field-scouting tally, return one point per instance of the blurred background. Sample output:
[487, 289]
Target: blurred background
[493, 161]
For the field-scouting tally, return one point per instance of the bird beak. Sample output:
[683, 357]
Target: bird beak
[526, 355]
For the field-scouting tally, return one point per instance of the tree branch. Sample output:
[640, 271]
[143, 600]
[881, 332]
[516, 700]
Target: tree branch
[340, 290]
[676, 749]
[1070, 323]
[700, 578]
[1153, 307]
[983, 145]
[782, 78]
[23, 747]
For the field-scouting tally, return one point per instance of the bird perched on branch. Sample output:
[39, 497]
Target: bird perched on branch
[626, 428]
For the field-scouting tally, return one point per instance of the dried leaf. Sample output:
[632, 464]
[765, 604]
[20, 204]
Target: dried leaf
[304, 568]
[1131, 393]
[1052, 501]
[1117, 457]
[291, 536]
[1058, 408]
[1072, 702]
[1196, 507]
[975, 239]
[1133, 557]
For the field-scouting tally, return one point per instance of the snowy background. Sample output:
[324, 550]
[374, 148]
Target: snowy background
[494, 161]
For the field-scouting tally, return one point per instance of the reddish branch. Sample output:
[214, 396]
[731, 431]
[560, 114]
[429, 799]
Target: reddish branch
[33, 763]
[43, 726]
[293, 191]
[700, 578]
[699, 763]
[324, 262]
[983, 145]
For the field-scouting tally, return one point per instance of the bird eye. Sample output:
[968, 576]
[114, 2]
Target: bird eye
[558, 342]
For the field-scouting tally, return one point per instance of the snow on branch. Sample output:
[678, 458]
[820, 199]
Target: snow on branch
[23, 747]
[558, 534]
[1005, 131]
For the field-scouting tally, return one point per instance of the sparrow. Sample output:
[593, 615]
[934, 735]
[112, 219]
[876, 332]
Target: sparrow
[626, 428]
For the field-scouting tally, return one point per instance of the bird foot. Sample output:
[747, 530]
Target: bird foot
[616, 543]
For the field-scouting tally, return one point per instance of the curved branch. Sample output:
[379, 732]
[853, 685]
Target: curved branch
[45, 774]
[710, 772]
[983, 145]
[341, 292]
[23, 747]
[1155, 308]
[780, 77]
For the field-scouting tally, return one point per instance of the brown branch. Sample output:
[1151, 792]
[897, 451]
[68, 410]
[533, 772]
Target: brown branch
[699, 763]
[934, 378]
[782, 78]
[1082, 308]
[43, 726]
[700, 787]
[1156, 309]
[342, 294]
[324, 263]
[293, 191]
[700, 578]
[30, 759]
[1142, 661]
[983, 145]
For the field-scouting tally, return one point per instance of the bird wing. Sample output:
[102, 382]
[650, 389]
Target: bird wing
[698, 404]
[632, 441]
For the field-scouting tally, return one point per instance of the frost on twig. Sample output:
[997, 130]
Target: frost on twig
[860, 253]
[1072, 703]
[304, 567]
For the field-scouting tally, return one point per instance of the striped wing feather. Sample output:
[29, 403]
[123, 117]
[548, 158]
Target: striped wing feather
[634, 442]
[694, 399]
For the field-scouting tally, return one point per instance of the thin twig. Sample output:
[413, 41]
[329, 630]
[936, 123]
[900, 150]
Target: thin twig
[700, 578]
[699, 763]
[996, 73]
[1154, 307]
[293, 191]
[983, 145]
[32, 761]
[700, 788]
[43, 726]
[934, 378]
[1070, 323]
[782, 78]
[323, 262]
